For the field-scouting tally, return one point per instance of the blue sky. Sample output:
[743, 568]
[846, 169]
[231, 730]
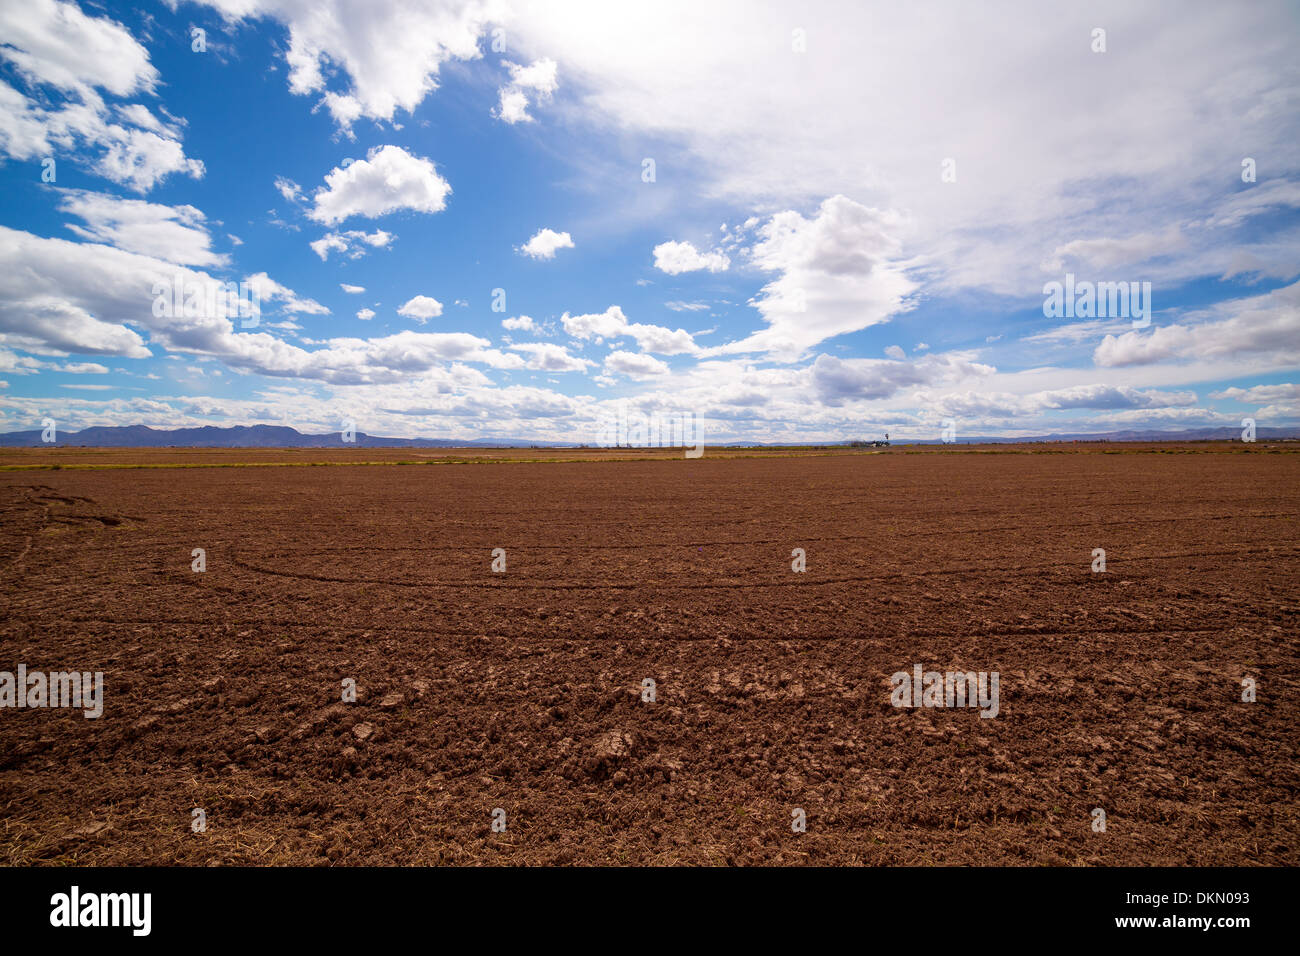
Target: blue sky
[853, 214]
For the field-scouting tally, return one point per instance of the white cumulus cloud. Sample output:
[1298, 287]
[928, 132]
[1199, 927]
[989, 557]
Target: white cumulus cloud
[422, 308]
[675, 258]
[545, 243]
[538, 78]
[388, 179]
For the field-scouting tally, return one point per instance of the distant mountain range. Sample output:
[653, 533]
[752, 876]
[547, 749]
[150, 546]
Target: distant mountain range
[281, 436]
[241, 436]
[1221, 433]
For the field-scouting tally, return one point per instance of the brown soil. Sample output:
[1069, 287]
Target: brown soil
[522, 690]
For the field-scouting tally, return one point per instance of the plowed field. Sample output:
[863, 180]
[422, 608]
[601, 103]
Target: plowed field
[523, 689]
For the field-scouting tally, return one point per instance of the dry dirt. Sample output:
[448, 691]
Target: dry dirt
[522, 690]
